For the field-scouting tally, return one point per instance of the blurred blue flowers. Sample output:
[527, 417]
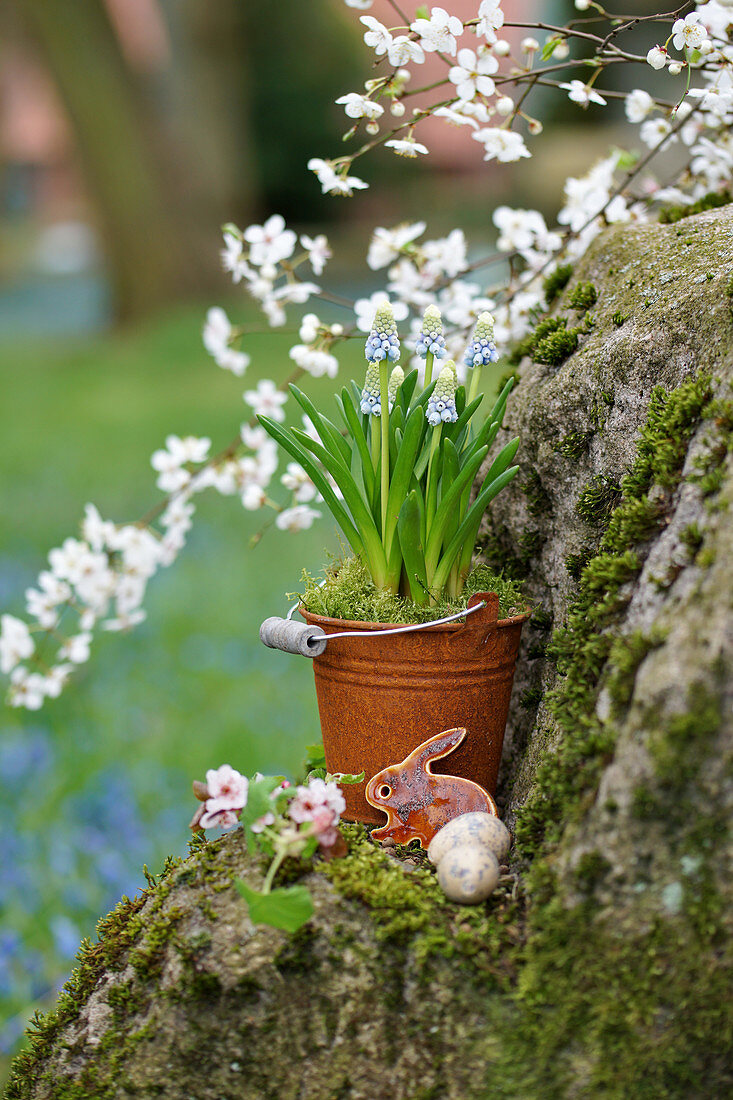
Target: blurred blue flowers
[68, 856]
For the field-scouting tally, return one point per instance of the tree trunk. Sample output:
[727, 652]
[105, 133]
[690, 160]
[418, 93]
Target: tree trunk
[152, 258]
[600, 966]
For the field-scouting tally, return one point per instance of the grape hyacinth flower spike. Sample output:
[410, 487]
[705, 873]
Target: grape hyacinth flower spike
[482, 349]
[396, 378]
[383, 341]
[370, 398]
[442, 404]
[431, 340]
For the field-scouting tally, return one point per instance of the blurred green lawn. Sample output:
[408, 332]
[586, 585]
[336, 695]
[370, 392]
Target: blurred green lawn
[192, 687]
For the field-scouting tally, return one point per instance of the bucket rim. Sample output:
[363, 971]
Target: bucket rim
[363, 624]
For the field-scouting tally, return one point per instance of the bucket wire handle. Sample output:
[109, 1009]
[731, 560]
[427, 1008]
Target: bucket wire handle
[311, 641]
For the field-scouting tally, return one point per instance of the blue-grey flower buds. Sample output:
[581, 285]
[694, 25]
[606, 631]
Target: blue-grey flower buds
[482, 349]
[431, 339]
[371, 404]
[383, 341]
[442, 404]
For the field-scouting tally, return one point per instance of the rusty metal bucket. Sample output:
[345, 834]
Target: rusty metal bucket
[381, 697]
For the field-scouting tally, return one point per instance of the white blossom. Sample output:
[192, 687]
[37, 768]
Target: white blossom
[407, 148]
[439, 32]
[638, 104]
[490, 18]
[580, 93]
[76, 648]
[271, 242]
[377, 36]
[216, 336]
[455, 117]
[360, 5]
[314, 360]
[657, 57]
[387, 244]
[298, 518]
[405, 51]
[332, 182]
[27, 689]
[360, 106]
[502, 145]
[16, 644]
[267, 399]
[688, 33]
[233, 259]
[471, 75]
[318, 251]
[365, 308]
[447, 255]
[299, 483]
[654, 131]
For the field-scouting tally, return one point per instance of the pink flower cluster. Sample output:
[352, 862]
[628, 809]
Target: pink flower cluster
[321, 804]
[227, 796]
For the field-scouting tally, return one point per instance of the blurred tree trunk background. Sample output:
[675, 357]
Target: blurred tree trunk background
[213, 134]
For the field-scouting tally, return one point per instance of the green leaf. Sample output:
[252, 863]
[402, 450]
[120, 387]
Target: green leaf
[402, 472]
[422, 12]
[469, 526]
[358, 507]
[315, 756]
[352, 419]
[259, 803]
[406, 390]
[549, 48]
[498, 410]
[408, 530]
[331, 437]
[442, 516]
[287, 908]
[345, 779]
[285, 438]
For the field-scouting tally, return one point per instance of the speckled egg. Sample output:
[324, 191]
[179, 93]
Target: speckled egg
[473, 828]
[468, 873]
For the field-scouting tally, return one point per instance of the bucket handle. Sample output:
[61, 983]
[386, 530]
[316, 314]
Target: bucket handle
[311, 641]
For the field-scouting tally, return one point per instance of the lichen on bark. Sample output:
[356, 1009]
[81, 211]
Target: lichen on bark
[601, 966]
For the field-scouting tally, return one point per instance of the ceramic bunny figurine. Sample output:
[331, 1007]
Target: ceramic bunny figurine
[418, 803]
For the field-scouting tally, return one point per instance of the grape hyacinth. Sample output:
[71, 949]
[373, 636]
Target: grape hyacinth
[482, 349]
[371, 404]
[383, 341]
[431, 340]
[396, 378]
[442, 404]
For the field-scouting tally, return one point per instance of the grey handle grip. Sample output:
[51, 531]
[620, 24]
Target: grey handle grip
[292, 637]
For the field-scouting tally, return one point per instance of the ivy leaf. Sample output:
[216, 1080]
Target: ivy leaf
[259, 803]
[287, 908]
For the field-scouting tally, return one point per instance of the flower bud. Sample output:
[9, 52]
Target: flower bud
[431, 339]
[396, 378]
[657, 57]
[482, 349]
[383, 342]
[530, 45]
[442, 404]
[370, 395]
[505, 105]
[501, 48]
[397, 109]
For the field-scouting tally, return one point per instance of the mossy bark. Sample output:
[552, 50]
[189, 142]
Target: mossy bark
[600, 968]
